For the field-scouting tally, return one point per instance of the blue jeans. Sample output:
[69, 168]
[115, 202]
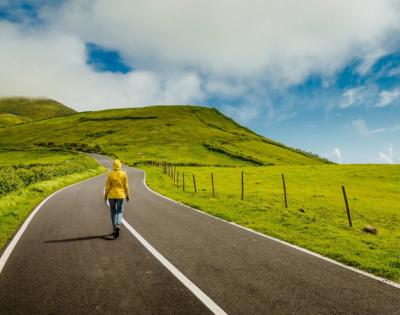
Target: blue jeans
[116, 207]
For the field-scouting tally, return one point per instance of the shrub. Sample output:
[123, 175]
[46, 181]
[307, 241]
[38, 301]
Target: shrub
[9, 180]
[13, 178]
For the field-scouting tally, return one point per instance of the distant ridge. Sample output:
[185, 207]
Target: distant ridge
[32, 108]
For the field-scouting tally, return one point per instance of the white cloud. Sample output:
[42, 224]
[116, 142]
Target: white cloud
[388, 97]
[226, 88]
[337, 154]
[387, 155]
[386, 129]
[185, 51]
[360, 126]
[288, 39]
[352, 96]
[369, 59]
[53, 64]
[243, 114]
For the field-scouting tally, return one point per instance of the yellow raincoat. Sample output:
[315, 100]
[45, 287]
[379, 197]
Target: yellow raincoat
[116, 183]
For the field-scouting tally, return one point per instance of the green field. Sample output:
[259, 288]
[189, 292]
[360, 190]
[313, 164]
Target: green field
[28, 176]
[373, 192]
[12, 156]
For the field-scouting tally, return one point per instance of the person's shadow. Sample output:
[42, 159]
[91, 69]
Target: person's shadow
[107, 237]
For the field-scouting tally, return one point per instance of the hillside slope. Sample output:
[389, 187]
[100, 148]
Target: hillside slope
[7, 119]
[33, 108]
[188, 135]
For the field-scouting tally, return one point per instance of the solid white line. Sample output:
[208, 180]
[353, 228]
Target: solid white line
[205, 299]
[14, 241]
[364, 273]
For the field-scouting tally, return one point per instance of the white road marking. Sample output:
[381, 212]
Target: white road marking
[205, 299]
[14, 241]
[364, 273]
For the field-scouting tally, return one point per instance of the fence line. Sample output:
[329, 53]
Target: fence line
[174, 174]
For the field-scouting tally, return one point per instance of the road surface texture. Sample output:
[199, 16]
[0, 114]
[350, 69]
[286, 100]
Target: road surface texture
[65, 262]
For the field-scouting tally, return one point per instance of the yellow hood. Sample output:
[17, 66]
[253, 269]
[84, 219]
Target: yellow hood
[117, 165]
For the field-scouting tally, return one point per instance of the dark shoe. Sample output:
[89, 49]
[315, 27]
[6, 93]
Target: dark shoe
[116, 232]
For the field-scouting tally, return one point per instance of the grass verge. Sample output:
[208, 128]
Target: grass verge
[16, 206]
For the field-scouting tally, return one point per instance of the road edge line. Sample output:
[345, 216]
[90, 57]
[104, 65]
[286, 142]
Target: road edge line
[204, 298]
[304, 250]
[10, 247]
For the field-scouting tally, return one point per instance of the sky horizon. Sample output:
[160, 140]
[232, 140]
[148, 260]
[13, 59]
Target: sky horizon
[320, 76]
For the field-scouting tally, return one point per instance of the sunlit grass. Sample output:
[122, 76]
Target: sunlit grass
[33, 156]
[189, 135]
[373, 192]
[15, 206]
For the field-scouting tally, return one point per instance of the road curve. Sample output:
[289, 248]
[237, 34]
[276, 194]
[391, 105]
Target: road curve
[64, 263]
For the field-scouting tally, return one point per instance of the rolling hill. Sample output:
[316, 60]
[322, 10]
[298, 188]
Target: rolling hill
[23, 109]
[183, 135]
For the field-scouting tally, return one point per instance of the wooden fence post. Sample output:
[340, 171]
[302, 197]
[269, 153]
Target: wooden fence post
[242, 185]
[177, 179]
[284, 189]
[347, 206]
[212, 184]
[194, 183]
[183, 181]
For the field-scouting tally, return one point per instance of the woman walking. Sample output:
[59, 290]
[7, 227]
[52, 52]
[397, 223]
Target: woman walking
[116, 191]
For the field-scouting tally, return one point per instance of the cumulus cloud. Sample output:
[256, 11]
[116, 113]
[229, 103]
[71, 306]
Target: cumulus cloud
[386, 156]
[187, 51]
[53, 64]
[288, 39]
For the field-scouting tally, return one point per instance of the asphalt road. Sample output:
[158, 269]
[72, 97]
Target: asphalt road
[66, 263]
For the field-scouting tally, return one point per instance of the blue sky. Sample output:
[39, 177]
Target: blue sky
[323, 78]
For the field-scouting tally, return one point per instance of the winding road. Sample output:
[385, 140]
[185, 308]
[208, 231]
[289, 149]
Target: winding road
[169, 259]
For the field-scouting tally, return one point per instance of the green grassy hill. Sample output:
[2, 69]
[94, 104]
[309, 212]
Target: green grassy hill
[7, 119]
[32, 108]
[189, 135]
